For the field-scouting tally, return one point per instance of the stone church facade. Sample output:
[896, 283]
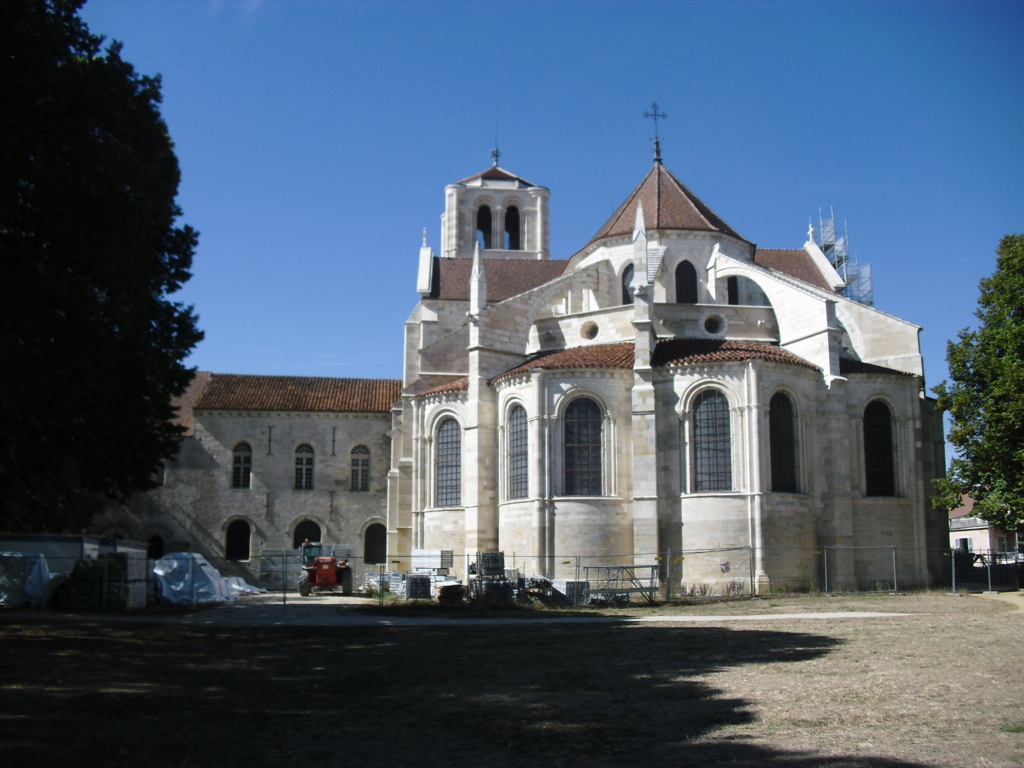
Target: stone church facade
[670, 386]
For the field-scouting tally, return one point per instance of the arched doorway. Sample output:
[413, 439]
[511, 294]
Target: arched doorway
[307, 529]
[236, 541]
[155, 548]
[375, 544]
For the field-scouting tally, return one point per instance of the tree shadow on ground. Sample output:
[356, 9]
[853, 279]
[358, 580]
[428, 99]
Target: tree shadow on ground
[535, 695]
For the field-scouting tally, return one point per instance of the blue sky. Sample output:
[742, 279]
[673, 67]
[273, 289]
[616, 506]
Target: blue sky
[315, 140]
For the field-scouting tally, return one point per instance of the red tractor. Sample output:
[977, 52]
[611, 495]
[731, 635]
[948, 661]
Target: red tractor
[323, 573]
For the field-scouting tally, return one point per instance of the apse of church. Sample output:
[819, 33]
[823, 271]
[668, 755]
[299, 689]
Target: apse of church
[669, 386]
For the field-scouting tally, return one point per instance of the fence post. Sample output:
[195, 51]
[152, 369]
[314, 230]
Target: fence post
[825, 551]
[103, 584]
[895, 584]
[668, 577]
[576, 588]
[750, 569]
[952, 557]
[192, 577]
[988, 561]
[284, 578]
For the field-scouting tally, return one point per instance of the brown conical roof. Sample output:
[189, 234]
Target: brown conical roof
[668, 204]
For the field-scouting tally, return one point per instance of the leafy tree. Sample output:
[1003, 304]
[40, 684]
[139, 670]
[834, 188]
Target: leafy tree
[986, 400]
[91, 348]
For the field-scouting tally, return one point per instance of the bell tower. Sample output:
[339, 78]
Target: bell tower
[505, 214]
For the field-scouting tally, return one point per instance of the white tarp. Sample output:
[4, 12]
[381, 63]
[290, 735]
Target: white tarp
[178, 572]
[23, 578]
[237, 584]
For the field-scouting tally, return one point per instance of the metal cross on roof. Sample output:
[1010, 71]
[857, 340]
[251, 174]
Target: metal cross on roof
[655, 114]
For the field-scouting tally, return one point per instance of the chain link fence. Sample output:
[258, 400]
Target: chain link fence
[119, 580]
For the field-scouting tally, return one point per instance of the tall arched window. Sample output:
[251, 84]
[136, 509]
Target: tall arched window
[360, 468]
[307, 530]
[448, 464]
[241, 465]
[512, 241]
[236, 541]
[582, 448]
[304, 467]
[712, 442]
[782, 442]
[627, 285]
[518, 454]
[375, 544]
[686, 283]
[483, 226]
[879, 450]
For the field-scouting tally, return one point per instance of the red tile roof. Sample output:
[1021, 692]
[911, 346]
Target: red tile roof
[795, 262]
[618, 355]
[856, 366]
[692, 351]
[188, 399]
[668, 204]
[494, 172]
[965, 509]
[667, 352]
[505, 277]
[228, 391]
[459, 385]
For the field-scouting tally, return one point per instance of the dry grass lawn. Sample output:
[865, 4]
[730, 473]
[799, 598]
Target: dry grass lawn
[943, 687]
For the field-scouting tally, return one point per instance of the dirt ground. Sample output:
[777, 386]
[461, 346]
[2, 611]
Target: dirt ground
[943, 686]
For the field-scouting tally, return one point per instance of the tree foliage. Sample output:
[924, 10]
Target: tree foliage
[91, 348]
[986, 399]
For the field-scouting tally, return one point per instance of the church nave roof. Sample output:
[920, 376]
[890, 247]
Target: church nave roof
[505, 277]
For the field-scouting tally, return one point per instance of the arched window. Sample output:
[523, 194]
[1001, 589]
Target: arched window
[582, 448]
[155, 549]
[712, 442]
[448, 464]
[304, 467]
[627, 285]
[483, 226]
[518, 454]
[375, 544]
[241, 465]
[360, 468]
[782, 442]
[512, 241]
[236, 541]
[733, 288]
[307, 530]
[879, 450]
[686, 283]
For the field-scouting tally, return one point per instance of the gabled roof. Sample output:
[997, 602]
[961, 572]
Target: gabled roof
[694, 351]
[228, 391]
[795, 262]
[188, 400]
[668, 204]
[505, 277]
[494, 173]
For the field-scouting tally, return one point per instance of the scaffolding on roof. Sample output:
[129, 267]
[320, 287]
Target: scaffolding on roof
[836, 247]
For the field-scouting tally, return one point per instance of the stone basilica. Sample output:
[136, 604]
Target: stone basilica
[669, 386]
